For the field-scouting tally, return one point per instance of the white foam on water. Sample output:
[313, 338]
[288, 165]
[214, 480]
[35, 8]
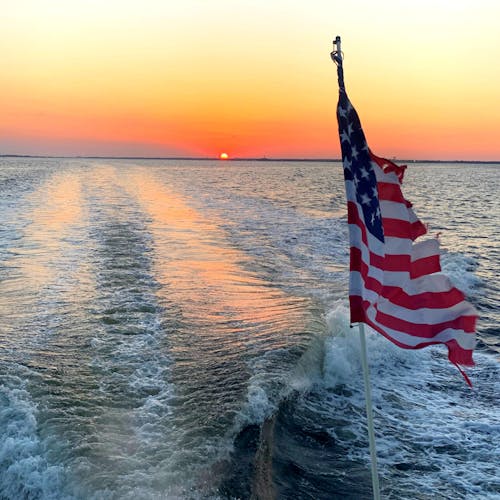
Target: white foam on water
[422, 406]
[435, 436]
[266, 388]
[25, 471]
[137, 433]
[432, 431]
[461, 269]
[153, 453]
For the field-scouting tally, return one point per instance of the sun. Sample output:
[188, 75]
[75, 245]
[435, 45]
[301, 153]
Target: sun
[223, 156]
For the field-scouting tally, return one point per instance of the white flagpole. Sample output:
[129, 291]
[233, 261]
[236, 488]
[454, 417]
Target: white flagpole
[336, 56]
[369, 412]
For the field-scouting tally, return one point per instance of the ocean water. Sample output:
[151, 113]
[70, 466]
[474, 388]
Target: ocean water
[179, 330]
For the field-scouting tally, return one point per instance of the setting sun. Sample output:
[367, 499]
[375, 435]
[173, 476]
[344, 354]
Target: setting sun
[223, 156]
[153, 96]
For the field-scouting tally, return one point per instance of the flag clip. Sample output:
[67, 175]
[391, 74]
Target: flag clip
[336, 53]
[336, 56]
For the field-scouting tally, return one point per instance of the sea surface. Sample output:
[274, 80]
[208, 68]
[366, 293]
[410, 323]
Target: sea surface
[179, 330]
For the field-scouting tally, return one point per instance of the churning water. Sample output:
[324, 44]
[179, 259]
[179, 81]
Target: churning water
[179, 329]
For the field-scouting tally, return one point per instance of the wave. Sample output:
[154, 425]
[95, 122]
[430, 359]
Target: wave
[308, 439]
[25, 470]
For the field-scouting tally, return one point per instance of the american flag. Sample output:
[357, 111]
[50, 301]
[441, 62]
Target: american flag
[396, 286]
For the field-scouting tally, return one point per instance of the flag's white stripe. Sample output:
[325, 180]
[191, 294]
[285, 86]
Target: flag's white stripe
[412, 216]
[356, 239]
[390, 278]
[392, 246]
[350, 189]
[398, 246]
[464, 340]
[426, 248]
[406, 326]
[425, 315]
[381, 176]
[394, 210]
[391, 209]
[433, 283]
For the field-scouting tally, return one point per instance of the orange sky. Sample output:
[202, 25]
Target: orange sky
[252, 78]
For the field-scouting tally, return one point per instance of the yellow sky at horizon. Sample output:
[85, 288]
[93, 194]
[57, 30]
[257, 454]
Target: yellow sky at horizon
[249, 78]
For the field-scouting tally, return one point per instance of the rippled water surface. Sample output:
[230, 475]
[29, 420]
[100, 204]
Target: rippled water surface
[179, 329]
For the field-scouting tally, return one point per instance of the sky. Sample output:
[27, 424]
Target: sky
[250, 78]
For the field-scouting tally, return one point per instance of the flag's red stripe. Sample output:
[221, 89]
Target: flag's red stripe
[440, 302]
[459, 356]
[390, 192]
[357, 264]
[425, 265]
[428, 300]
[396, 295]
[424, 330]
[418, 229]
[353, 218]
[398, 228]
[403, 263]
[396, 263]
[420, 267]
[353, 215]
[392, 262]
[392, 227]
[456, 354]
[388, 166]
[357, 310]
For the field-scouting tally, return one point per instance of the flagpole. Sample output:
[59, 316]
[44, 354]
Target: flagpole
[369, 413]
[336, 56]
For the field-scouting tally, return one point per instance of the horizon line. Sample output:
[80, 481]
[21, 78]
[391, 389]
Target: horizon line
[215, 158]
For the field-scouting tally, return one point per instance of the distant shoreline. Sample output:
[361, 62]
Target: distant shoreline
[201, 158]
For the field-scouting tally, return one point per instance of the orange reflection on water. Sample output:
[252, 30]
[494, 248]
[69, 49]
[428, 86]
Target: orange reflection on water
[57, 206]
[36, 266]
[196, 264]
[61, 205]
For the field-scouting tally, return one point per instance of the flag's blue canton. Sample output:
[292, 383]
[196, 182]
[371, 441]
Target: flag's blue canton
[357, 165]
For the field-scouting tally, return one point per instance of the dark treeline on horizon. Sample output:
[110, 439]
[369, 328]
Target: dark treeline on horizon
[208, 158]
